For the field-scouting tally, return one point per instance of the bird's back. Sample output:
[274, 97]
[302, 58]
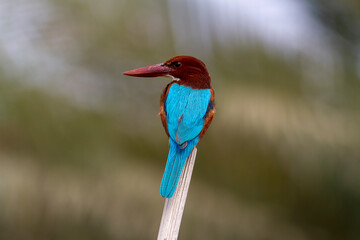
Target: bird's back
[185, 110]
[185, 113]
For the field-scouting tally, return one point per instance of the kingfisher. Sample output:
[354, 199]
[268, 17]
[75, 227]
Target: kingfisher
[187, 107]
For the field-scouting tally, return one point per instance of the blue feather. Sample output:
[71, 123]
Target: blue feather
[185, 110]
[174, 166]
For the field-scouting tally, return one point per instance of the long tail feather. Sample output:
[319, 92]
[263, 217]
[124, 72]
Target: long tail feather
[174, 166]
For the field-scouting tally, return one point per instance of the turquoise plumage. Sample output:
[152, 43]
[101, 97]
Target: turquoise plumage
[185, 113]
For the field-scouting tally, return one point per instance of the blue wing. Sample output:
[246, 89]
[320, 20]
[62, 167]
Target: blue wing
[185, 110]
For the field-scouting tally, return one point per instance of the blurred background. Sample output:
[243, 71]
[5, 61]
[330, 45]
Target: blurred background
[82, 150]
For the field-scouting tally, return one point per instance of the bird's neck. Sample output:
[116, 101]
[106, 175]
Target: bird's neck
[197, 81]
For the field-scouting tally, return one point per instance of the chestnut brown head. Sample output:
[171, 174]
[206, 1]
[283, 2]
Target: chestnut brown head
[187, 70]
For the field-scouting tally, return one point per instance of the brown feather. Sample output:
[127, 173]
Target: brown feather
[192, 72]
[208, 121]
[210, 115]
[162, 112]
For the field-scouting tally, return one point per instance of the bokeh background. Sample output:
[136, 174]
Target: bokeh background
[82, 149]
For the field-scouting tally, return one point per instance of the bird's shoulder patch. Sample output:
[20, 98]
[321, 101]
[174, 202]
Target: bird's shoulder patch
[162, 112]
[210, 113]
[211, 105]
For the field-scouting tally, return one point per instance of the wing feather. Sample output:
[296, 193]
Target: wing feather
[185, 111]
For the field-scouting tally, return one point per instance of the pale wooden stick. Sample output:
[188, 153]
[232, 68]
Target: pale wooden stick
[174, 207]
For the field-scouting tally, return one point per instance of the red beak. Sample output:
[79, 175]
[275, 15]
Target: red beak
[156, 70]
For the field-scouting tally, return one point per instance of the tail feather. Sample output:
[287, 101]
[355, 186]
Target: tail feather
[174, 166]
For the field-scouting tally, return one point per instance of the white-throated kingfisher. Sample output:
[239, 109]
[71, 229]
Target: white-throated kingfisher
[187, 107]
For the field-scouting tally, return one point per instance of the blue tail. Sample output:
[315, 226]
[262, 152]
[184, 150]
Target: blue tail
[174, 166]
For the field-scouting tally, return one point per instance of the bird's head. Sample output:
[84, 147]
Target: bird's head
[187, 70]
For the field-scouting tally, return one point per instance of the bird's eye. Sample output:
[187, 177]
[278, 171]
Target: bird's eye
[176, 64]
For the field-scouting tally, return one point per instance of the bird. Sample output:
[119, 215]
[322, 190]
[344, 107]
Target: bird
[187, 108]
